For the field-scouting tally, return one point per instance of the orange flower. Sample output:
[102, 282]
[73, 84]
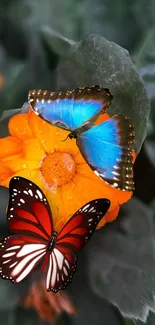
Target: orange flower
[35, 150]
[47, 305]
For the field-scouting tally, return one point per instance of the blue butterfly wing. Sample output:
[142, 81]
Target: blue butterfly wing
[71, 109]
[107, 148]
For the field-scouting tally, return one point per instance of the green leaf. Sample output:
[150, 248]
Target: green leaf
[17, 77]
[10, 294]
[150, 149]
[122, 261]
[94, 61]
[26, 316]
[56, 41]
[91, 309]
[150, 320]
[145, 63]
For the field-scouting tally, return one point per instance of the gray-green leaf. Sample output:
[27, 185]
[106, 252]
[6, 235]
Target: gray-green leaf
[122, 261]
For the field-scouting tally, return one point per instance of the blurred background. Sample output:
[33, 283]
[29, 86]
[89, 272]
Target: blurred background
[33, 41]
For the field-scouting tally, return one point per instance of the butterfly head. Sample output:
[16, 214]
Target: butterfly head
[75, 133]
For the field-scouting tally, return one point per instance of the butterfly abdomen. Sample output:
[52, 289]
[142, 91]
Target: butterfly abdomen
[49, 249]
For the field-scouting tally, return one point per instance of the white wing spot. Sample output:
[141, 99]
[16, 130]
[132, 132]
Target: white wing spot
[54, 271]
[30, 192]
[86, 207]
[25, 192]
[39, 194]
[8, 254]
[66, 262]
[6, 261]
[13, 247]
[115, 173]
[115, 185]
[65, 271]
[59, 257]
[29, 248]
[21, 200]
[49, 273]
[96, 173]
[116, 167]
[13, 264]
[91, 219]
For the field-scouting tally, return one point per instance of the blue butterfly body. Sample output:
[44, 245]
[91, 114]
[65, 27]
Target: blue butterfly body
[105, 147]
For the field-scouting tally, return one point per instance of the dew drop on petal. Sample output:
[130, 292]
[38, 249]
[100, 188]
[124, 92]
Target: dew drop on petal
[24, 166]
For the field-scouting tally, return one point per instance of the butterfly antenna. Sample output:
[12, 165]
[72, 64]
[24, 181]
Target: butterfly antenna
[45, 262]
[65, 138]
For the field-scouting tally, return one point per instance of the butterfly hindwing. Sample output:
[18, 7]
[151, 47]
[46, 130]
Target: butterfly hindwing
[28, 210]
[18, 256]
[61, 268]
[69, 110]
[107, 148]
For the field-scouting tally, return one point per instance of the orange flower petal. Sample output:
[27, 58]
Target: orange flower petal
[32, 150]
[90, 190]
[5, 172]
[18, 162]
[56, 204]
[9, 146]
[26, 173]
[18, 127]
[102, 118]
[70, 201]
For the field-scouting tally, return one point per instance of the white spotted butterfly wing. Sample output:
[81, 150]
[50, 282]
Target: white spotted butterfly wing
[30, 219]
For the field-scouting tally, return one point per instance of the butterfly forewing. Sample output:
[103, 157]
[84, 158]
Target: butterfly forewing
[82, 224]
[71, 109]
[28, 210]
[107, 148]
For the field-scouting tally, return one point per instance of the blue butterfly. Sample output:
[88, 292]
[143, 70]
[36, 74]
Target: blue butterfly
[106, 147]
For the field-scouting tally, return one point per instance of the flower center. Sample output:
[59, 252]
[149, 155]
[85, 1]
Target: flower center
[58, 168]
